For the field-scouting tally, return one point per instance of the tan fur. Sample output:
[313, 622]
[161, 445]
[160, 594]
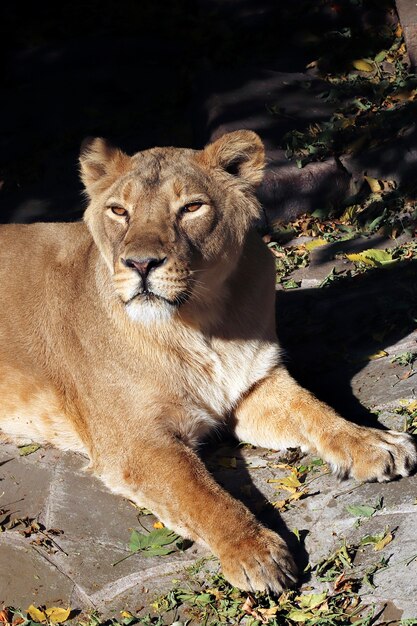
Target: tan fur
[134, 370]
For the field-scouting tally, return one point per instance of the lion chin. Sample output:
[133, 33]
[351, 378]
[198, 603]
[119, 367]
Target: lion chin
[151, 309]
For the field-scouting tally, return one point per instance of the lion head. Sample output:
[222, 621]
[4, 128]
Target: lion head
[171, 223]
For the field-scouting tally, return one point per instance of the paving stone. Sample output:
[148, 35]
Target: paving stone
[84, 509]
[25, 485]
[27, 578]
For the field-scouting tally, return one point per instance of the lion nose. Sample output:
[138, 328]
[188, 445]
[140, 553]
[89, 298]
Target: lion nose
[144, 266]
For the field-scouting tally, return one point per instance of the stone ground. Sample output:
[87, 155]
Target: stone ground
[78, 571]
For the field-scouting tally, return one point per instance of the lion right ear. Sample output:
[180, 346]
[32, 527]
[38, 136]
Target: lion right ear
[240, 153]
[99, 159]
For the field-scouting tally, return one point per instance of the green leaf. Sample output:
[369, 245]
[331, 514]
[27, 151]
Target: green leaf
[380, 56]
[291, 284]
[157, 551]
[137, 541]
[361, 510]
[29, 449]
[372, 257]
[372, 539]
[161, 537]
[312, 600]
[297, 615]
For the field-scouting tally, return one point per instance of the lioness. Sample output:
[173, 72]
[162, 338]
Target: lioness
[131, 336]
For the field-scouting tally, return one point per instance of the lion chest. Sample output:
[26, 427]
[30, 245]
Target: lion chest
[212, 379]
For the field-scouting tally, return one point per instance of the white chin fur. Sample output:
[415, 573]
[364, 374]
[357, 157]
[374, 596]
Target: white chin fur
[150, 312]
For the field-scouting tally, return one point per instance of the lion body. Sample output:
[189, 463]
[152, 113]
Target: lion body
[131, 336]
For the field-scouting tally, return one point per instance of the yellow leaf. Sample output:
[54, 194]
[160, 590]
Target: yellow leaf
[56, 615]
[158, 525]
[289, 483]
[126, 614]
[372, 257]
[350, 213]
[315, 243]
[36, 614]
[363, 65]
[412, 406]
[384, 542]
[373, 183]
[377, 355]
[377, 185]
[280, 504]
[298, 494]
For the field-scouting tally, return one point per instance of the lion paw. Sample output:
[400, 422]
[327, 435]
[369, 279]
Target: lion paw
[370, 454]
[260, 563]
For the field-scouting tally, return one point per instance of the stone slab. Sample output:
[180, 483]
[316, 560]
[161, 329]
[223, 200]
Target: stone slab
[407, 12]
[26, 577]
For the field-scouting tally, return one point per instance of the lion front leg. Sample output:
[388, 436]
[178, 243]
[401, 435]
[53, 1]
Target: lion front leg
[278, 413]
[168, 478]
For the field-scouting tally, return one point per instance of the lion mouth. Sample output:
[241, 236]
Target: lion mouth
[151, 297]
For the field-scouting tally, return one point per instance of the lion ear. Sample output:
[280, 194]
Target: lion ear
[240, 153]
[98, 158]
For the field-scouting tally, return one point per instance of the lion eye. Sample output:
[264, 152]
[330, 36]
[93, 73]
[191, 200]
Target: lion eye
[118, 210]
[192, 207]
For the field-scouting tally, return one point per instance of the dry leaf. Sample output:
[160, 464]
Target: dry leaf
[380, 545]
[158, 525]
[36, 614]
[5, 616]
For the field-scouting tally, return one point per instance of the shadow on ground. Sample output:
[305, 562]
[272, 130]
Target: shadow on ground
[329, 334]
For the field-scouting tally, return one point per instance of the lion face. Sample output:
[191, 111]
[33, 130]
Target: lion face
[170, 223]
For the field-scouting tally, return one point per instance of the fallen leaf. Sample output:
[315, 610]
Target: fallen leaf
[315, 243]
[312, 600]
[5, 616]
[29, 449]
[372, 257]
[363, 65]
[361, 510]
[291, 284]
[289, 483]
[377, 185]
[158, 525]
[383, 542]
[377, 355]
[36, 614]
[298, 615]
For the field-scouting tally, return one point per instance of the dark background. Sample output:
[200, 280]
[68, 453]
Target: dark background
[138, 73]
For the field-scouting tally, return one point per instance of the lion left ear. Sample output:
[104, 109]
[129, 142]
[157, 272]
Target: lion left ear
[98, 159]
[240, 153]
